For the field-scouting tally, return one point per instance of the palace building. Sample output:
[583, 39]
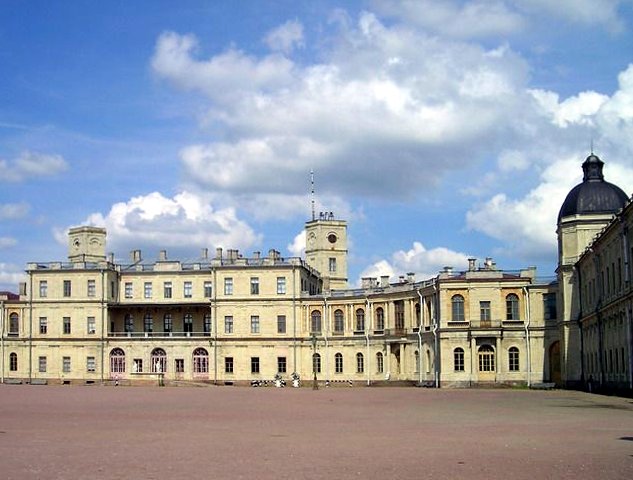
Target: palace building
[230, 319]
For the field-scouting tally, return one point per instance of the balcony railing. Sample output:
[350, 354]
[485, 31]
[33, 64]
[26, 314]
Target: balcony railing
[159, 334]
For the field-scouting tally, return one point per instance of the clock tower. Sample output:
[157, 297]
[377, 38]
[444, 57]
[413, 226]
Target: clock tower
[326, 249]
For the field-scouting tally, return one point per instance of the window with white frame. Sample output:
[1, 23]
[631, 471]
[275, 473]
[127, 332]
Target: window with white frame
[188, 323]
[147, 290]
[338, 363]
[512, 307]
[380, 363]
[67, 288]
[281, 324]
[43, 325]
[43, 289]
[167, 289]
[380, 319]
[92, 325]
[117, 360]
[129, 290]
[91, 364]
[457, 307]
[281, 285]
[458, 359]
[315, 321]
[200, 360]
[41, 364]
[148, 323]
[486, 359]
[332, 265]
[66, 364]
[316, 363]
[128, 323]
[208, 289]
[484, 311]
[188, 289]
[360, 363]
[339, 321]
[360, 320]
[513, 359]
[255, 324]
[254, 285]
[91, 288]
[168, 323]
[228, 286]
[228, 324]
[66, 323]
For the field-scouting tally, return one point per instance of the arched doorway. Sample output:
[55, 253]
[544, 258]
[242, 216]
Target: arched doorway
[158, 362]
[117, 363]
[486, 363]
[554, 363]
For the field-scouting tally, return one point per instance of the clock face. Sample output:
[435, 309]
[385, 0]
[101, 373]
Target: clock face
[76, 244]
[331, 238]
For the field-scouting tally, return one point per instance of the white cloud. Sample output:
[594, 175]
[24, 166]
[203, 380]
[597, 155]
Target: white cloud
[30, 165]
[184, 220]
[10, 277]
[12, 211]
[585, 12]
[481, 18]
[578, 109]
[298, 246]
[418, 259]
[286, 37]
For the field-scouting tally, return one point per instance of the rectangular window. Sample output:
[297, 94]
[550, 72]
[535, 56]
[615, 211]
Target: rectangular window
[43, 325]
[332, 265]
[254, 285]
[484, 311]
[92, 288]
[208, 289]
[167, 290]
[129, 292]
[188, 290]
[228, 324]
[228, 365]
[41, 363]
[228, 286]
[281, 364]
[254, 364]
[148, 323]
[549, 306]
[66, 325]
[91, 364]
[92, 326]
[399, 314]
[180, 365]
[188, 323]
[458, 360]
[254, 324]
[137, 365]
[281, 324]
[67, 288]
[66, 364]
[43, 289]
[129, 323]
[513, 359]
[281, 285]
[147, 289]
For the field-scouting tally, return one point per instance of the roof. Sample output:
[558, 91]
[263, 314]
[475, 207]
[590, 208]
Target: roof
[594, 194]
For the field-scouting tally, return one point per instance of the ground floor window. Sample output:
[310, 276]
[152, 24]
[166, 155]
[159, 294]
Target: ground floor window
[316, 363]
[486, 359]
[458, 359]
[180, 365]
[338, 363]
[117, 361]
[380, 363]
[158, 362]
[13, 362]
[513, 359]
[254, 364]
[66, 364]
[360, 363]
[200, 361]
[228, 365]
[281, 364]
[42, 364]
[91, 364]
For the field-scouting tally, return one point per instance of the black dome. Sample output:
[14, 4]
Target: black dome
[593, 195]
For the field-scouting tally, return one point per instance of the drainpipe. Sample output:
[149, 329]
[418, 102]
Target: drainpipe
[294, 320]
[103, 299]
[367, 325]
[420, 338]
[30, 327]
[436, 340]
[527, 335]
[215, 320]
[326, 315]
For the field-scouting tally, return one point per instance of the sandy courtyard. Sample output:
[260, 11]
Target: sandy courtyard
[56, 432]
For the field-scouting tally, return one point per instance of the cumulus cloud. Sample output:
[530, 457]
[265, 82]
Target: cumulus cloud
[10, 277]
[6, 242]
[158, 221]
[481, 18]
[286, 37]
[12, 211]
[425, 263]
[298, 246]
[31, 165]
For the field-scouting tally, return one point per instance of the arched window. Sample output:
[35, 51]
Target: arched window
[360, 320]
[380, 319]
[513, 359]
[200, 361]
[458, 359]
[428, 361]
[416, 356]
[13, 362]
[380, 364]
[512, 307]
[129, 323]
[14, 324]
[486, 359]
[158, 362]
[457, 304]
[148, 323]
[117, 361]
[339, 322]
[316, 363]
[360, 363]
[315, 321]
[418, 316]
[338, 363]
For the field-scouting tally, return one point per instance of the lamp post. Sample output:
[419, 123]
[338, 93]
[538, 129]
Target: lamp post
[315, 385]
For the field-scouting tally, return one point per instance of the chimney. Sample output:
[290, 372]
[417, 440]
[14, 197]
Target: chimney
[111, 257]
[471, 264]
[488, 263]
[204, 254]
[384, 281]
[218, 253]
[22, 288]
[162, 256]
[448, 270]
[135, 255]
[256, 255]
[411, 277]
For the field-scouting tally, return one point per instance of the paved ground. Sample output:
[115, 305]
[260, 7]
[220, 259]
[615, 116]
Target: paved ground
[340, 433]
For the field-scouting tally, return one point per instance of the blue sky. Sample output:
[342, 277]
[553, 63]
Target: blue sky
[439, 130]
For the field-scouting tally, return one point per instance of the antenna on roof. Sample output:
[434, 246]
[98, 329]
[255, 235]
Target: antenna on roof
[592, 144]
[312, 193]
